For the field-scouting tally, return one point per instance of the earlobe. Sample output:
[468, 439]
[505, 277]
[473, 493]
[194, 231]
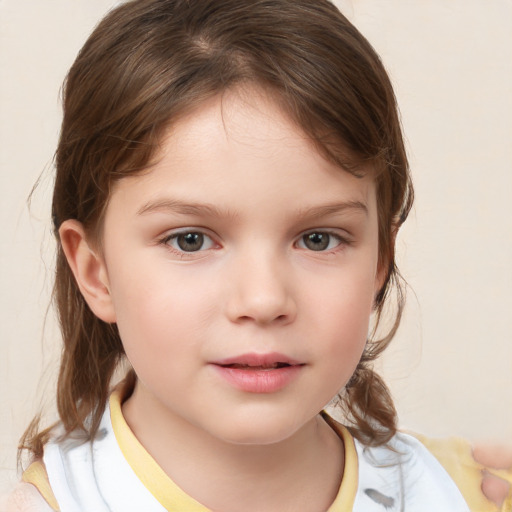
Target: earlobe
[89, 270]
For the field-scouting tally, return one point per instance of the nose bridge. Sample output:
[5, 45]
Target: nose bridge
[261, 286]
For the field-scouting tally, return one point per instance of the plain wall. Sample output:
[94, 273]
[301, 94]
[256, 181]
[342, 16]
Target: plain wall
[450, 367]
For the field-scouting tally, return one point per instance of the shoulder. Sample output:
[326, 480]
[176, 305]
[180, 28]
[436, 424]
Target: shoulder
[399, 475]
[37, 476]
[404, 472]
[25, 498]
[456, 457]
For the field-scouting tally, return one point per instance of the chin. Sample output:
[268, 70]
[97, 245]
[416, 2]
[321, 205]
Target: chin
[258, 431]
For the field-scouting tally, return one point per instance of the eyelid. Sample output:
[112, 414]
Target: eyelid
[344, 238]
[175, 233]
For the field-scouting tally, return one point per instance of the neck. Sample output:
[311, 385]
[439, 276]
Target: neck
[301, 472]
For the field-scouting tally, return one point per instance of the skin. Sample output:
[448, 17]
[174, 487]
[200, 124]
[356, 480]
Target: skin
[498, 457]
[258, 188]
[26, 498]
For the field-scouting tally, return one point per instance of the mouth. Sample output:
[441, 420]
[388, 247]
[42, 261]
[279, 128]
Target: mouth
[259, 373]
[270, 361]
[266, 367]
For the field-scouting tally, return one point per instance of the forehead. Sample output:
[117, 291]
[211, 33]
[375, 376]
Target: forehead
[240, 149]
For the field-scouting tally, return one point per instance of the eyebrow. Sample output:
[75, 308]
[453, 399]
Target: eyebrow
[183, 208]
[209, 210]
[333, 209]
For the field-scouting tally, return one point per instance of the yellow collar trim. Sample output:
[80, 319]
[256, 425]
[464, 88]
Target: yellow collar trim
[347, 494]
[171, 497]
[36, 475]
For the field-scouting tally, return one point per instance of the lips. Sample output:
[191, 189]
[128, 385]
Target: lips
[259, 373]
[273, 366]
[259, 361]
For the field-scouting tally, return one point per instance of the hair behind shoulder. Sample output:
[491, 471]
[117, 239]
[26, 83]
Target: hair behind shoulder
[149, 62]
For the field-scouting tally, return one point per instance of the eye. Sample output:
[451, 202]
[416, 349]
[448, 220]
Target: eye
[319, 241]
[189, 241]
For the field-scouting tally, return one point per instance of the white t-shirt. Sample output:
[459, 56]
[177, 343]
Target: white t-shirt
[114, 473]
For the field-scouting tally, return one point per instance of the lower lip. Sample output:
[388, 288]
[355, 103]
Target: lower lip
[259, 381]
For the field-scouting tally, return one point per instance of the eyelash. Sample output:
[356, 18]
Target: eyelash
[181, 252]
[341, 241]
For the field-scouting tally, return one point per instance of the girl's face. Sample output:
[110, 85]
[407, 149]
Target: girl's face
[242, 270]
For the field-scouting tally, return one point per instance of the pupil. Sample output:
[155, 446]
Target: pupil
[190, 242]
[316, 241]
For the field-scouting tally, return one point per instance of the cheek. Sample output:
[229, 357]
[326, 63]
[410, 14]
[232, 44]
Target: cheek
[344, 302]
[340, 316]
[159, 314]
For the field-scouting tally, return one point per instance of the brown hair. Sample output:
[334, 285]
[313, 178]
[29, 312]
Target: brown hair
[150, 61]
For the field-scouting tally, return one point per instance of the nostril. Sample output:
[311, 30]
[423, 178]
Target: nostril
[265, 307]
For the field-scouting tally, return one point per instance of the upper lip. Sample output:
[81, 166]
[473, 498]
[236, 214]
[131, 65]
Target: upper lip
[258, 360]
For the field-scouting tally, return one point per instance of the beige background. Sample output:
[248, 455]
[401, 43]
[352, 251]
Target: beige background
[450, 367]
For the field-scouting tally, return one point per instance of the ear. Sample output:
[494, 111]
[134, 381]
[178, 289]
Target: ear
[89, 270]
[380, 277]
[383, 265]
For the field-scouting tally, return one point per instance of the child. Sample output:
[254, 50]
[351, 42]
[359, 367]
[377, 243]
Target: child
[231, 177]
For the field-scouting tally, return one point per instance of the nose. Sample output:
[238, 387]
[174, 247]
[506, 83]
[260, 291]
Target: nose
[261, 291]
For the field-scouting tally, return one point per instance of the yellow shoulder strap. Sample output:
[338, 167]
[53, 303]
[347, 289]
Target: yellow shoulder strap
[36, 475]
[456, 457]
